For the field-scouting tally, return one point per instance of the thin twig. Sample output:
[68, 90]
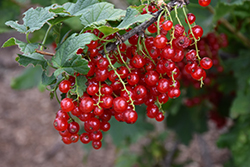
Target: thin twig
[44, 53]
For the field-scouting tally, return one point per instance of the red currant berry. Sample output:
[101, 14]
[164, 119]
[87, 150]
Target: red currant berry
[138, 61]
[97, 144]
[86, 105]
[96, 135]
[106, 89]
[67, 105]
[85, 138]
[163, 85]
[107, 101]
[105, 126]
[66, 140]
[160, 41]
[191, 18]
[120, 104]
[167, 25]
[174, 93]
[60, 124]
[73, 127]
[130, 116]
[92, 89]
[140, 91]
[159, 117]
[152, 111]
[206, 63]
[151, 78]
[204, 3]
[163, 98]
[64, 86]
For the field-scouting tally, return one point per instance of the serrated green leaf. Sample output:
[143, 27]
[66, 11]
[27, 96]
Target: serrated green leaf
[80, 85]
[77, 8]
[34, 58]
[29, 78]
[26, 48]
[133, 16]
[58, 10]
[106, 30]
[221, 10]
[69, 47]
[48, 80]
[100, 13]
[75, 64]
[33, 20]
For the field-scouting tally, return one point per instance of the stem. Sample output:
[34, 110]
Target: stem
[46, 35]
[56, 97]
[158, 23]
[243, 39]
[195, 40]
[27, 37]
[144, 45]
[176, 15]
[99, 96]
[124, 86]
[118, 49]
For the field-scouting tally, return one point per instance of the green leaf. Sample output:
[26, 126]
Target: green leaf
[30, 78]
[100, 13]
[80, 85]
[24, 47]
[78, 8]
[33, 20]
[69, 47]
[34, 58]
[75, 64]
[240, 67]
[221, 10]
[48, 80]
[106, 30]
[122, 132]
[233, 2]
[187, 122]
[133, 16]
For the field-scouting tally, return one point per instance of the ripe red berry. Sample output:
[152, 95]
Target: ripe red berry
[159, 117]
[66, 140]
[152, 111]
[152, 28]
[130, 116]
[191, 18]
[206, 63]
[151, 78]
[64, 86]
[86, 105]
[140, 91]
[67, 105]
[138, 61]
[93, 124]
[60, 124]
[106, 89]
[120, 104]
[167, 25]
[92, 89]
[163, 85]
[73, 127]
[105, 126]
[160, 41]
[204, 3]
[96, 135]
[97, 144]
[107, 101]
[174, 93]
[85, 138]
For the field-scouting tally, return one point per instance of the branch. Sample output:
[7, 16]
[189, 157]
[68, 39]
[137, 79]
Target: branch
[142, 27]
[44, 53]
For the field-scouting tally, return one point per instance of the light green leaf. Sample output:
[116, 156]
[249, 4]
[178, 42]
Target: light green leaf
[33, 20]
[69, 47]
[78, 8]
[24, 47]
[133, 16]
[75, 64]
[34, 58]
[30, 78]
[80, 86]
[48, 80]
[107, 30]
[100, 13]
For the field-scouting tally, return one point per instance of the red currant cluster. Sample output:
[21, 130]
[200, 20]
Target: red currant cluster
[145, 71]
